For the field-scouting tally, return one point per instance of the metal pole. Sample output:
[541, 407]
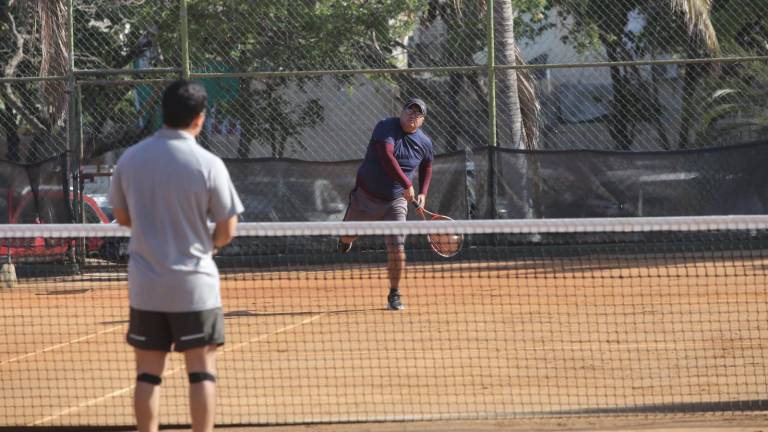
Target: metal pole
[491, 112]
[74, 144]
[81, 153]
[184, 40]
[491, 78]
[73, 147]
[81, 158]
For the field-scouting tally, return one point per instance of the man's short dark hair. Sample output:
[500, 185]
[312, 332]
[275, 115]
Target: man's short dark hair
[183, 101]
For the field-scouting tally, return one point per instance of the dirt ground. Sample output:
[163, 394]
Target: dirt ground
[546, 346]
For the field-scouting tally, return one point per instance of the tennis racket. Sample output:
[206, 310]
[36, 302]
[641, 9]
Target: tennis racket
[445, 245]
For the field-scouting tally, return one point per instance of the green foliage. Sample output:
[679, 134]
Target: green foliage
[589, 25]
[21, 109]
[113, 34]
[466, 27]
[736, 102]
[532, 16]
[736, 99]
[734, 110]
[742, 26]
[596, 23]
[235, 35]
[273, 35]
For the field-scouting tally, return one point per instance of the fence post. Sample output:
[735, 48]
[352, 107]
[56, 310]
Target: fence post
[74, 137]
[491, 63]
[78, 134]
[184, 32]
[74, 147]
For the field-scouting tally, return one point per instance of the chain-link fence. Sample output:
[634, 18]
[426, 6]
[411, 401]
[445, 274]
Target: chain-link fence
[537, 108]
[309, 79]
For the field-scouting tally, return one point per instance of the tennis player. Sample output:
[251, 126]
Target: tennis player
[384, 186]
[166, 188]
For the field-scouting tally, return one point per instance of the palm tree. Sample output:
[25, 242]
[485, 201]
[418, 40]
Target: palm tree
[702, 41]
[518, 108]
[518, 112]
[734, 110]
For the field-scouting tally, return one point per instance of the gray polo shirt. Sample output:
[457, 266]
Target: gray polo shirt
[172, 187]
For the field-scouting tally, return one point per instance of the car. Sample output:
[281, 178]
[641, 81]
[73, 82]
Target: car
[46, 206]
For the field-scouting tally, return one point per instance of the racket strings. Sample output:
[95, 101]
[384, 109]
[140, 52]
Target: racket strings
[445, 245]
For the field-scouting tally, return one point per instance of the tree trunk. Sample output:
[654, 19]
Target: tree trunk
[7, 120]
[457, 135]
[657, 73]
[509, 124]
[693, 74]
[522, 198]
[246, 99]
[619, 122]
[53, 61]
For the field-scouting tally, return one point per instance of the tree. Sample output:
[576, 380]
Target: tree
[117, 35]
[229, 35]
[737, 105]
[38, 47]
[273, 36]
[20, 55]
[464, 37]
[673, 27]
[517, 105]
[702, 42]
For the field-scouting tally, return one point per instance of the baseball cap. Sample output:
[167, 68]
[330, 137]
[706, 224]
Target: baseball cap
[418, 102]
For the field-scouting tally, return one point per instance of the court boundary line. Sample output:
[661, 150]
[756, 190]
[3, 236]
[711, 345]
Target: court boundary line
[226, 349]
[60, 345]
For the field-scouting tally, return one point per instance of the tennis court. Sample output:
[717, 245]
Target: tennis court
[520, 340]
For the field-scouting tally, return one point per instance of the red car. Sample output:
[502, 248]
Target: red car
[50, 208]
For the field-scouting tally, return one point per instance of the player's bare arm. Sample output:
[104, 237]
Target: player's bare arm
[123, 217]
[224, 232]
[425, 178]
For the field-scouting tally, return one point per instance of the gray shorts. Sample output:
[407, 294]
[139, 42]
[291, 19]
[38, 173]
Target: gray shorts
[363, 207]
[184, 330]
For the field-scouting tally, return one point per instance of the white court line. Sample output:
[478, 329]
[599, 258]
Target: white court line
[51, 348]
[167, 373]
[82, 405]
[284, 329]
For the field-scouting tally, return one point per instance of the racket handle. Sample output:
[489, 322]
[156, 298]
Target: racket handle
[416, 205]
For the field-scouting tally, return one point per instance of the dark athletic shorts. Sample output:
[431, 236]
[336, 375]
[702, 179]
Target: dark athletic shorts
[363, 207]
[151, 330]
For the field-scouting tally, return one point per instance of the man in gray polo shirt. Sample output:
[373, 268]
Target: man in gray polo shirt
[167, 188]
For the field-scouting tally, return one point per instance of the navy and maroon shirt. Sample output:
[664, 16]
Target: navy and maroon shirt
[392, 159]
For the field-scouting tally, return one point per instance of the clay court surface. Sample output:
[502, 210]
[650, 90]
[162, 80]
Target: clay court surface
[687, 424]
[553, 344]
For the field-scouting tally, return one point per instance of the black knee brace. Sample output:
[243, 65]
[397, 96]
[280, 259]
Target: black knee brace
[196, 377]
[149, 379]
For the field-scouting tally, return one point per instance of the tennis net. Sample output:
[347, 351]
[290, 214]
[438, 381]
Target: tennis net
[532, 318]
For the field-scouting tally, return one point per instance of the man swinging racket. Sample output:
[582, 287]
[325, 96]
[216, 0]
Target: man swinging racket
[384, 184]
